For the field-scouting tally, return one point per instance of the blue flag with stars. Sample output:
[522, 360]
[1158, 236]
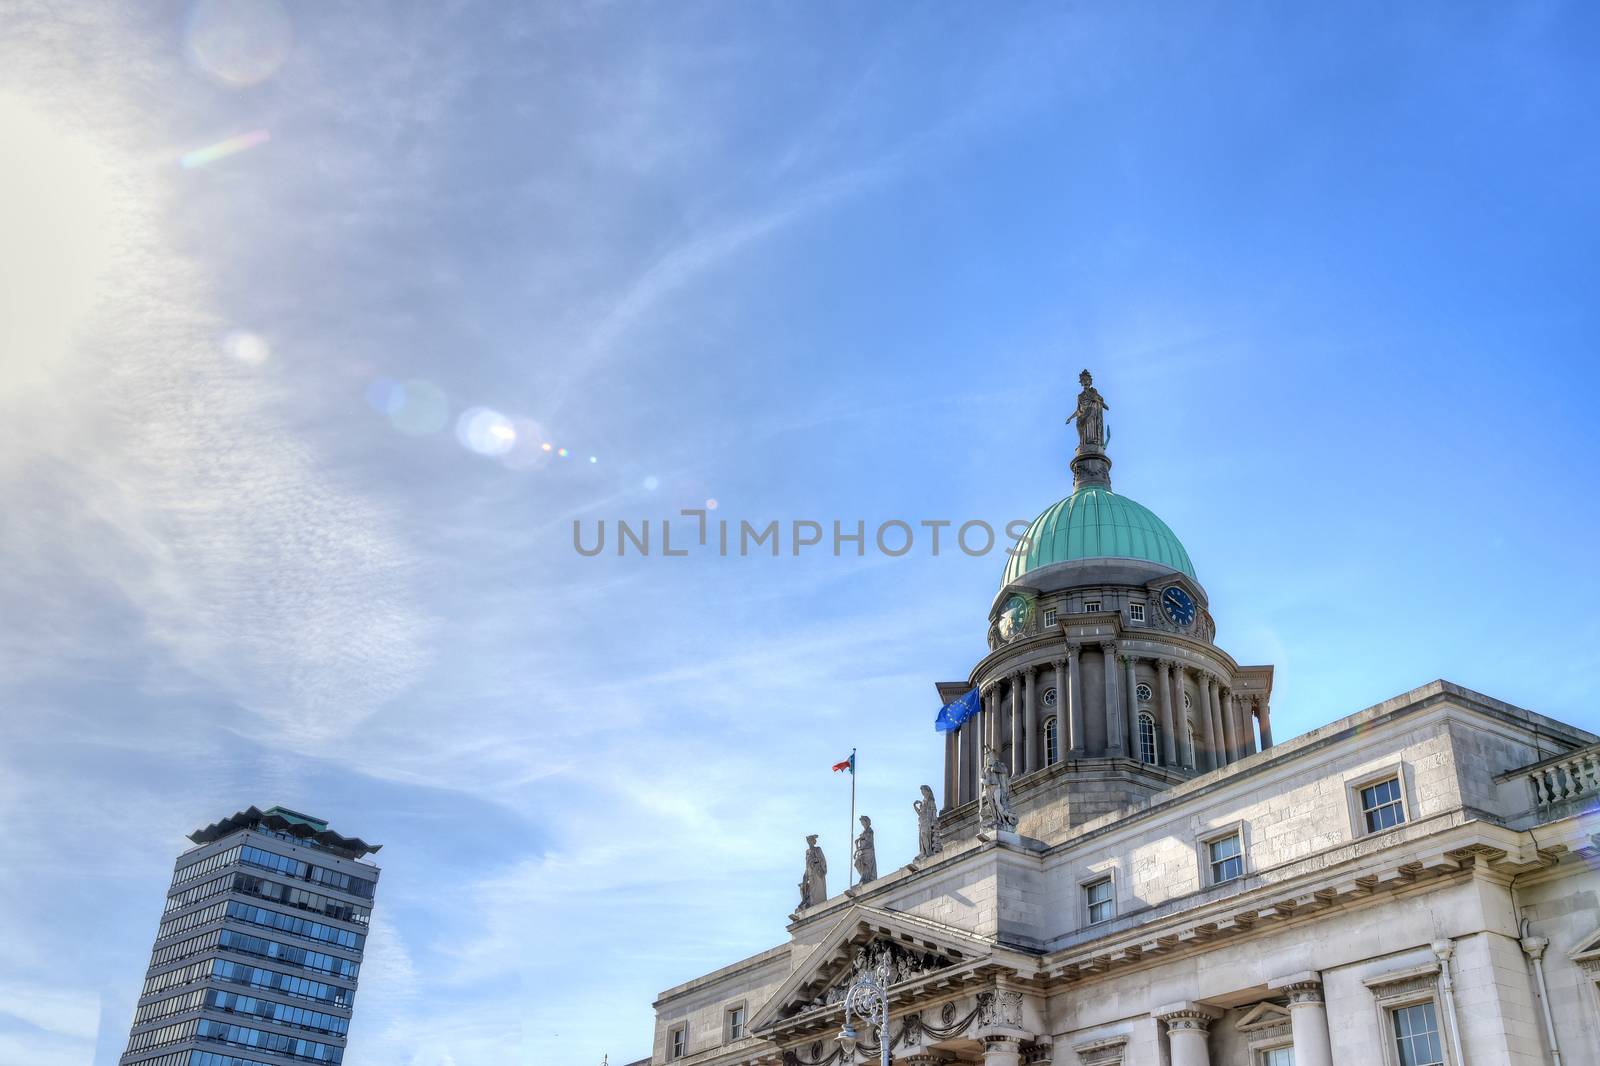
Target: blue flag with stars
[952, 714]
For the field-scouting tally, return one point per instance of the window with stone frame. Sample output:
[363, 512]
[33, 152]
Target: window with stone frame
[1091, 606]
[1052, 741]
[1225, 855]
[1136, 612]
[1409, 1017]
[1099, 900]
[678, 1041]
[735, 1023]
[1143, 692]
[1049, 617]
[1382, 805]
[1276, 1056]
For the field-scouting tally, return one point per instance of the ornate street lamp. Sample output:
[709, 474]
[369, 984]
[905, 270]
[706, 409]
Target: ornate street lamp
[869, 998]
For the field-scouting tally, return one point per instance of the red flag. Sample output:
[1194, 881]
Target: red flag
[848, 764]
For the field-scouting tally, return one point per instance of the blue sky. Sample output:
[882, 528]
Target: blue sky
[1333, 269]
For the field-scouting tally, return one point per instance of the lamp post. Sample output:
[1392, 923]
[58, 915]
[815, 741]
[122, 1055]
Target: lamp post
[869, 998]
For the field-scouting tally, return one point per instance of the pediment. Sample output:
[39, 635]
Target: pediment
[865, 939]
[1587, 953]
[1262, 1016]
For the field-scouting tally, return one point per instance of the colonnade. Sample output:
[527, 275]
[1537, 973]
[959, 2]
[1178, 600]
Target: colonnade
[1011, 721]
[1188, 1024]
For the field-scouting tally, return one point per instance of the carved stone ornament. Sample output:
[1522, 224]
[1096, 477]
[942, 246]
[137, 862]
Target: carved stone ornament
[893, 963]
[865, 855]
[1195, 1020]
[814, 882]
[994, 800]
[1002, 1008]
[1107, 1051]
[1308, 993]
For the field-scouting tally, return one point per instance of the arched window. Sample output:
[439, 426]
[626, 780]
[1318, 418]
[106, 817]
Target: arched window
[1052, 744]
[1191, 749]
[1147, 738]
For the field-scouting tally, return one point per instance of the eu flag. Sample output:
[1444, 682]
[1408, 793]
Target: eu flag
[952, 714]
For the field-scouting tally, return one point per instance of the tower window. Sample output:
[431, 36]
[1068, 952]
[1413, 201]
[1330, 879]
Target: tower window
[1050, 697]
[1143, 692]
[1136, 612]
[1091, 606]
[1147, 738]
[1052, 740]
[1049, 617]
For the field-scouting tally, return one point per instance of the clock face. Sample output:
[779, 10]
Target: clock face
[1178, 606]
[1015, 616]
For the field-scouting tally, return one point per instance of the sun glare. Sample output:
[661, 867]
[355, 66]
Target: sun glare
[58, 234]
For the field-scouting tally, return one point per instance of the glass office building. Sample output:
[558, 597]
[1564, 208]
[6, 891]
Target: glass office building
[256, 959]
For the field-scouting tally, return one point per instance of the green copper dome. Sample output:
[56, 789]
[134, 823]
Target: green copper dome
[1096, 523]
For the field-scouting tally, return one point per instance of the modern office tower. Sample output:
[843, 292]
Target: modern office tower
[256, 960]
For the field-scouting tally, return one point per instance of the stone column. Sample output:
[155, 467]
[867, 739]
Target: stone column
[1018, 767]
[1207, 755]
[1186, 753]
[1113, 716]
[1250, 726]
[1241, 718]
[1002, 1051]
[1030, 739]
[1075, 682]
[1308, 1017]
[1219, 755]
[1264, 716]
[1226, 712]
[1130, 685]
[1168, 745]
[952, 764]
[1187, 1026]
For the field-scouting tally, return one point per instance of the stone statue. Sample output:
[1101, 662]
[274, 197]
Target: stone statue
[814, 885]
[866, 853]
[994, 798]
[927, 824]
[1091, 415]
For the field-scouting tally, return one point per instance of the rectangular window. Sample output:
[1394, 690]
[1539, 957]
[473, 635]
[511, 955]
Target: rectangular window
[1136, 612]
[1091, 606]
[736, 1023]
[1416, 1035]
[1278, 1056]
[1381, 806]
[1098, 898]
[678, 1043]
[1049, 617]
[1227, 858]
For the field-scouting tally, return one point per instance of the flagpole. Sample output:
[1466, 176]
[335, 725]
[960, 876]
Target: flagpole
[850, 836]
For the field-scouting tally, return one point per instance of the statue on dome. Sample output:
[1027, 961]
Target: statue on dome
[814, 883]
[866, 853]
[1090, 415]
[994, 798]
[928, 843]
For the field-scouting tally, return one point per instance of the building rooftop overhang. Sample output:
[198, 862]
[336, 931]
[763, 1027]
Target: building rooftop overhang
[290, 823]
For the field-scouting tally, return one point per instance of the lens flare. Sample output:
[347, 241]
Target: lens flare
[248, 348]
[222, 149]
[561, 452]
[417, 408]
[711, 504]
[239, 43]
[485, 431]
[652, 483]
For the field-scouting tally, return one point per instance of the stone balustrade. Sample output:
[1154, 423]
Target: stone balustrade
[1566, 777]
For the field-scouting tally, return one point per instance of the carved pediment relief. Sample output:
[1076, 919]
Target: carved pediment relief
[1263, 1016]
[1587, 954]
[894, 963]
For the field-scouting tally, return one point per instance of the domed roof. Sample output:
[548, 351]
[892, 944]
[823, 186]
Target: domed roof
[1096, 523]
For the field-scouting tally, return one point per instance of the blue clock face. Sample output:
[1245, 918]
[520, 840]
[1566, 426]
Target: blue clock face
[1178, 605]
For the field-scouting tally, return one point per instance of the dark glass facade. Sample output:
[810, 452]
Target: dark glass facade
[259, 946]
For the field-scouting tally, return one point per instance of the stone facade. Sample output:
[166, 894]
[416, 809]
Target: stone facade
[1420, 876]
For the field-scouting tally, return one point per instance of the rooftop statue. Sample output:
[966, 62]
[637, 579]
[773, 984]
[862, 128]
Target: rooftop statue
[814, 883]
[927, 824]
[866, 853]
[1091, 415]
[994, 800]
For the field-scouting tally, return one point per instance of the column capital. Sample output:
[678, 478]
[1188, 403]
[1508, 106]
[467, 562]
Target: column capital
[1193, 1017]
[1108, 646]
[1058, 663]
[1304, 989]
[1073, 647]
[1005, 1044]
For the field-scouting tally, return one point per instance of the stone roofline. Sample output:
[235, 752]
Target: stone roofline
[733, 968]
[1416, 701]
